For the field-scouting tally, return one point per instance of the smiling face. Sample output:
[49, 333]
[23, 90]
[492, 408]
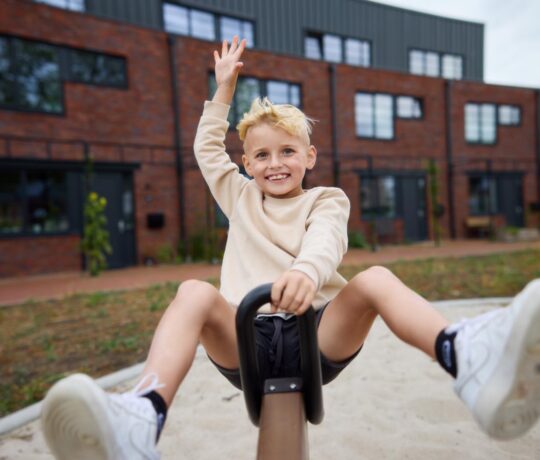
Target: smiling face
[277, 160]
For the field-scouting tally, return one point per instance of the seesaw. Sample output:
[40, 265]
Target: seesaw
[280, 407]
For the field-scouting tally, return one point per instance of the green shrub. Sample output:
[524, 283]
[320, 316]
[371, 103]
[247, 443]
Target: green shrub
[95, 243]
[357, 240]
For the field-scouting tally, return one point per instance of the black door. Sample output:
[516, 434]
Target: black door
[117, 188]
[510, 195]
[413, 198]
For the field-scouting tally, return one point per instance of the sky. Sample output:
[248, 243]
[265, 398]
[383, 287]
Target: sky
[511, 34]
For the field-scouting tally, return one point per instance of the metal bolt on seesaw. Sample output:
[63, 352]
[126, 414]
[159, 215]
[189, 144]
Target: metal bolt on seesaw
[280, 407]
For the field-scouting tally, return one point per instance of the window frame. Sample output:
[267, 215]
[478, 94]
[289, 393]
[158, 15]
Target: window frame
[262, 84]
[395, 115]
[511, 123]
[479, 104]
[63, 55]
[319, 37]
[67, 5]
[440, 56]
[216, 19]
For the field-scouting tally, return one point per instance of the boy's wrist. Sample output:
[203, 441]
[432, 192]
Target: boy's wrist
[224, 94]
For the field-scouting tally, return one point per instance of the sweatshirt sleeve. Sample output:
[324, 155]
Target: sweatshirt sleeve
[220, 173]
[325, 240]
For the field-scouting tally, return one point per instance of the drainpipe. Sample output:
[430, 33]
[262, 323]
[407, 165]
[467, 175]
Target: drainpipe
[449, 157]
[333, 112]
[171, 46]
[537, 104]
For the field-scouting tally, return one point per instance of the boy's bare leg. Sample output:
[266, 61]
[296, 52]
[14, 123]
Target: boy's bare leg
[197, 313]
[82, 421]
[377, 291]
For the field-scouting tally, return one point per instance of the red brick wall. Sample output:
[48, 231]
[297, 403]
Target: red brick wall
[33, 255]
[142, 114]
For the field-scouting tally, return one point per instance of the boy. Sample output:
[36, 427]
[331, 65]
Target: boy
[294, 238]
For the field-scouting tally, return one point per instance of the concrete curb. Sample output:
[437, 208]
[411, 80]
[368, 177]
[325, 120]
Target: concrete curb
[28, 414]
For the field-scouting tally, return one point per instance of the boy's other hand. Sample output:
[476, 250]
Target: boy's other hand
[227, 67]
[293, 292]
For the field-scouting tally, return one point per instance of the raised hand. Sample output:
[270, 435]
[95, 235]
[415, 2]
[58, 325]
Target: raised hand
[227, 67]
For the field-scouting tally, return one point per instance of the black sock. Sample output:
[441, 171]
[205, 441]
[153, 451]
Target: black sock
[161, 410]
[444, 350]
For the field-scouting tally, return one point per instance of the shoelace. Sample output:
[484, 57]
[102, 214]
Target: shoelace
[130, 397]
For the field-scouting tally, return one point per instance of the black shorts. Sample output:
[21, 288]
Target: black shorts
[278, 351]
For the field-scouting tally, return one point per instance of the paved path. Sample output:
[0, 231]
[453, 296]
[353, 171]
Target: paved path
[21, 289]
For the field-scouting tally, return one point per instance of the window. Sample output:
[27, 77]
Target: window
[334, 48]
[378, 197]
[434, 64]
[482, 195]
[97, 69]
[33, 202]
[374, 114]
[74, 5]
[509, 115]
[204, 25]
[452, 67]
[408, 107]
[31, 77]
[480, 124]
[247, 89]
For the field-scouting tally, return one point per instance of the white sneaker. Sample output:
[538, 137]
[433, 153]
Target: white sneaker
[81, 421]
[498, 362]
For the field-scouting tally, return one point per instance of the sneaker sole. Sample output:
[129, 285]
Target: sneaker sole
[73, 421]
[510, 405]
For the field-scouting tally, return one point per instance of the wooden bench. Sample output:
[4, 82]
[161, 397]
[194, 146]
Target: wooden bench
[478, 225]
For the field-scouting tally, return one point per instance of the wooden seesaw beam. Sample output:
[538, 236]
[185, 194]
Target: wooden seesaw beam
[281, 407]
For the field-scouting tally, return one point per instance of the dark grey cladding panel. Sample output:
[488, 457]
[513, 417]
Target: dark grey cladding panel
[145, 13]
[280, 26]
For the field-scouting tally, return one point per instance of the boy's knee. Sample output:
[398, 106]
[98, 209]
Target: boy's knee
[373, 276]
[196, 292]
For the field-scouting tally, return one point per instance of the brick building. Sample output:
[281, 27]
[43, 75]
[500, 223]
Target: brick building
[106, 95]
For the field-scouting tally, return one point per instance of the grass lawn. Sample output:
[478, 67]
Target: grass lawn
[105, 331]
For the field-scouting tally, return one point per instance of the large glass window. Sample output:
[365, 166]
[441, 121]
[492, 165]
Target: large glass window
[408, 107]
[509, 115]
[480, 123]
[434, 64]
[378, 197]
[334, 48]
[37, 76]
[74, 5]
[97, 69]
[247, 89]
[31, 77]
[205, 25]
[374, 114]
[33, 202]
[482, 195]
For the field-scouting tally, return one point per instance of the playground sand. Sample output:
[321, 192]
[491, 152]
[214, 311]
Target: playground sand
[392, 402]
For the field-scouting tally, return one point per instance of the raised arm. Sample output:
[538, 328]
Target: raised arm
[227, 68]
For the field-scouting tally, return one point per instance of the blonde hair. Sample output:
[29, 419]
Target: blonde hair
[285, 116]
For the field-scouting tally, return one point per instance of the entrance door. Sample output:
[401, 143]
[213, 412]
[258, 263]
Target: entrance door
[117, 188]
[510, 190]
[413, 190]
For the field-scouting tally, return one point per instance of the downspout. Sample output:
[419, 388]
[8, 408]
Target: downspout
[449, 158]
[537, 104]
[333, 115]
[171, 46]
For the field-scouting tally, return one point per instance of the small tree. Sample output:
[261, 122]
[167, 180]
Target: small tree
[95, 243]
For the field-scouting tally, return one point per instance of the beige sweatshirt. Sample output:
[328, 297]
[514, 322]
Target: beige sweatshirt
[268, 236]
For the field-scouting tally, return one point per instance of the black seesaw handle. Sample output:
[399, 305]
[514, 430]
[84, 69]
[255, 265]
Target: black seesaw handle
[249, 370]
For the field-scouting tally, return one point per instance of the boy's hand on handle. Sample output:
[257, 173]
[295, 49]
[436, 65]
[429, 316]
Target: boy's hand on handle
[293, 292]
[227, 67]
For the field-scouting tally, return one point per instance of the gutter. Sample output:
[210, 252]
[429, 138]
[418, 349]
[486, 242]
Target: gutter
[333, 112]
[171, 47]
[449, 158]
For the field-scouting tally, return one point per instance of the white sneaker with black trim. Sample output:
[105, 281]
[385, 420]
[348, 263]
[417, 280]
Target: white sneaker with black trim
[498, 362]
[81, 421]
